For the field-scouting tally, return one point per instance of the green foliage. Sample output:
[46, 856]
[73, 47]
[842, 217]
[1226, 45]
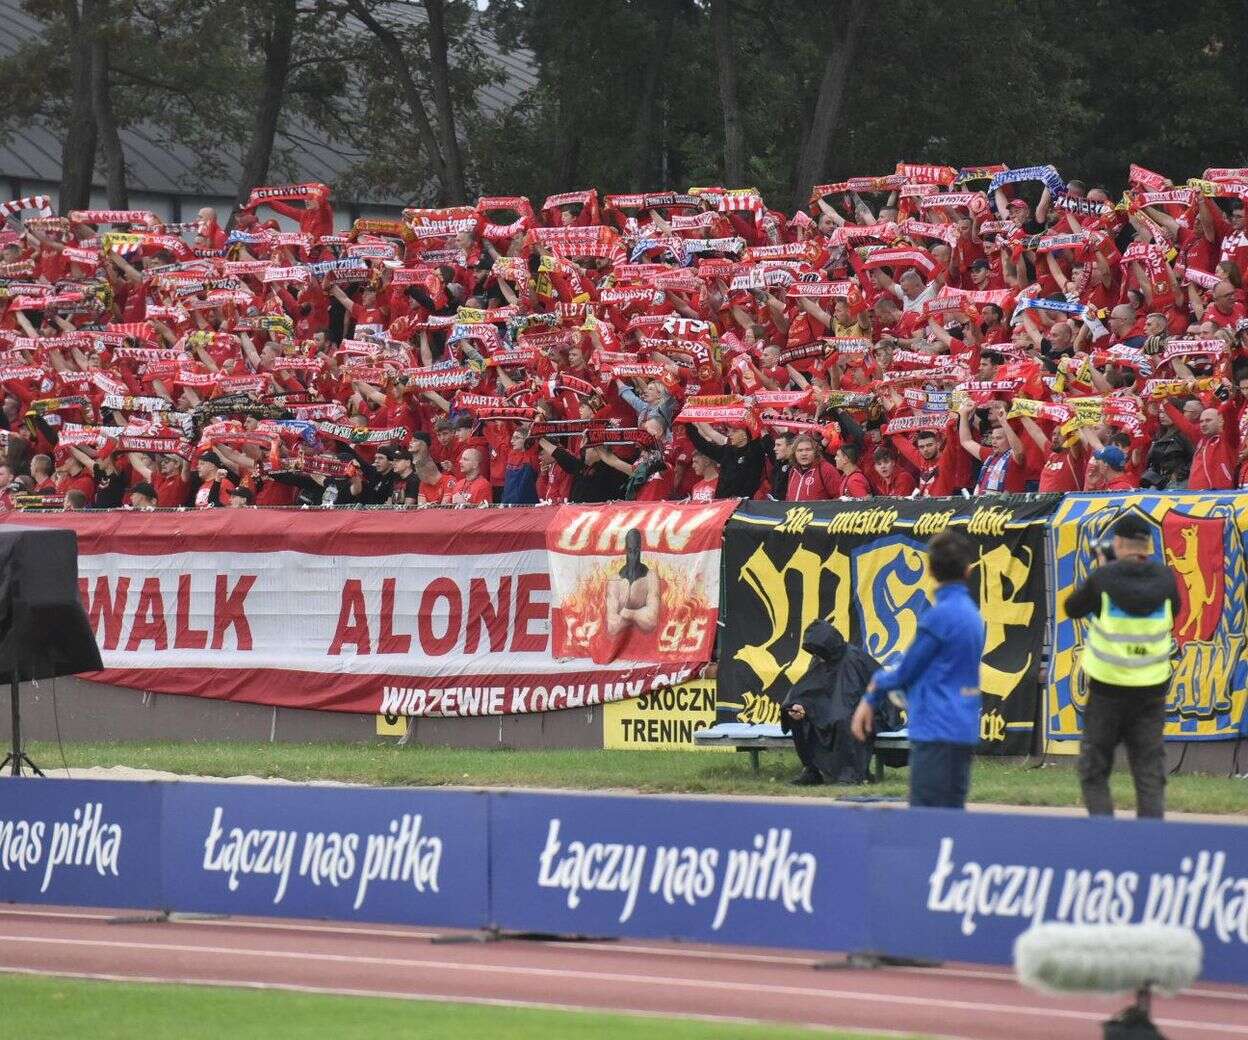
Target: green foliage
[1089, 86]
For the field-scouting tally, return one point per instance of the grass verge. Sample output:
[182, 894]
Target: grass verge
[37, 1006]
[675, 772]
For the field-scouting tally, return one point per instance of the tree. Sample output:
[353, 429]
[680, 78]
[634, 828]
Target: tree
[275, 36]
[664, 13]
[78, 148]
[726, 64]
[831, 98]
[107, 136]
[440, 74]
[409, 48]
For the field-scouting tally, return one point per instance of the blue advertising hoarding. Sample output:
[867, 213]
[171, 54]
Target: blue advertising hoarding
[715, 871]
[962, 886]
[80, 842]
[347, 853]
[925, 882]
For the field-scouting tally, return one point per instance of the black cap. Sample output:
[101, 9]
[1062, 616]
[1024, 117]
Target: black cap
[1133, 528]
[245, 493]
[979, 264]
[212, 457]
[144, 489]
[389, 452]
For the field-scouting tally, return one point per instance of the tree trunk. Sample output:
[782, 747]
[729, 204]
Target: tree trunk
[277, 47]
[411, 93]
[78, 151]
[814, 156]
[643, 159]
[567, 145]
[102, 107]
[439, 68]
[726, 62]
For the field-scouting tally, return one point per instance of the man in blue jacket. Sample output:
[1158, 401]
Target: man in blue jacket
[939, 679]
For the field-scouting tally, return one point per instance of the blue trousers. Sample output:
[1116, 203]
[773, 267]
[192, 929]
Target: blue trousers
[940, 773]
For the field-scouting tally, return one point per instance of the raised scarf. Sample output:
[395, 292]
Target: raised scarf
[287, 193]
[1047, 175]
[1141, 177]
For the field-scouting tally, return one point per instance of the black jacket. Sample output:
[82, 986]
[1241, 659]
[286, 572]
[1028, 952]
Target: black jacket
[1136, 586]
[597, 482]
[740, 469]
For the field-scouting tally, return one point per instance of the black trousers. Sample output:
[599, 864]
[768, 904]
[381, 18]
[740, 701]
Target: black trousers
[940, 773]
[1136, 717]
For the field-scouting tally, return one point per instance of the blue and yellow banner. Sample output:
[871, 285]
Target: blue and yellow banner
[1203, 538]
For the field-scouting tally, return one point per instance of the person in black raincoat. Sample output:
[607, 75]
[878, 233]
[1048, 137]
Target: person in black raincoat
[820, 704]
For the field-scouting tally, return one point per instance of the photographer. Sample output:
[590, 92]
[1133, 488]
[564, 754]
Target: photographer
[1130, 601]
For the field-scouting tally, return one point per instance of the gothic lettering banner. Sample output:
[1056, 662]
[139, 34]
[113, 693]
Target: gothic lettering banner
[1203, 539]
[862, 567]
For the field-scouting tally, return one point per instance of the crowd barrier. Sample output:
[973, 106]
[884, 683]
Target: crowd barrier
[484, 612]
[918, 883]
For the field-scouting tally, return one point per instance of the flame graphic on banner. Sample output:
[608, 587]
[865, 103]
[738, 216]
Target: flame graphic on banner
[685, 617]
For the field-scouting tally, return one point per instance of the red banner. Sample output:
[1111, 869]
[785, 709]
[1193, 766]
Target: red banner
[429, 613]
[636, 581]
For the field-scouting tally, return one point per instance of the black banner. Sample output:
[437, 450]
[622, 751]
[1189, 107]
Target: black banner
[861, 565]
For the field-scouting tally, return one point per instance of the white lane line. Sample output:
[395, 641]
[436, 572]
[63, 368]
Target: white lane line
[659, 950]
[441, 998]
[611, 977]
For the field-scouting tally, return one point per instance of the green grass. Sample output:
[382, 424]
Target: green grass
[680, 772]
[38, 1008]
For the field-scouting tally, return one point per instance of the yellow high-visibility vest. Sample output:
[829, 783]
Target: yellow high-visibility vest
[1128, 649]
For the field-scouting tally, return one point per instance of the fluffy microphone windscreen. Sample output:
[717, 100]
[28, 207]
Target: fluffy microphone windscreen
[1108, 958]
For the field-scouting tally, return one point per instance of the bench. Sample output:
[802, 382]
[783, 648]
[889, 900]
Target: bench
[744, 736]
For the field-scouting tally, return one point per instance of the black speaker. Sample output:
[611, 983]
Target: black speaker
[44, 631]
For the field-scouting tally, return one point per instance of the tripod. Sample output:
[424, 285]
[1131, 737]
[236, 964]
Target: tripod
[16, 757]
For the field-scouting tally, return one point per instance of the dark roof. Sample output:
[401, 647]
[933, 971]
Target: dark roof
[33, 151]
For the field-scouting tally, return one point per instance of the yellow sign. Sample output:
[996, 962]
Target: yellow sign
[664, 720]
[391, 725]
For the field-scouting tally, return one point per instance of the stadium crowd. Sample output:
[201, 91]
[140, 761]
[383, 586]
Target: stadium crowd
[926, 332]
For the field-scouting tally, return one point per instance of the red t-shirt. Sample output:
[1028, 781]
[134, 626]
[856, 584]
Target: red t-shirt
[431, 493]
[856, 485]
[1059, 473]
[703, 491]
[465, 492]
[554, 484]
[171, 492]
[900, 485]
[1122, 482]
[83, 482]
[273, 493]
[1224, 321]
[657, 488]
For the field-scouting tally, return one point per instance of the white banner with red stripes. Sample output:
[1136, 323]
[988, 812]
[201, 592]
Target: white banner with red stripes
[429, 613]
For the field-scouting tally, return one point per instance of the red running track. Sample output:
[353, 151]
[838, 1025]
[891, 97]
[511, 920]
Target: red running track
[955, 1001]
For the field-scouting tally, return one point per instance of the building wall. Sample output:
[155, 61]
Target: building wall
[176, 208]
[83, 711]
